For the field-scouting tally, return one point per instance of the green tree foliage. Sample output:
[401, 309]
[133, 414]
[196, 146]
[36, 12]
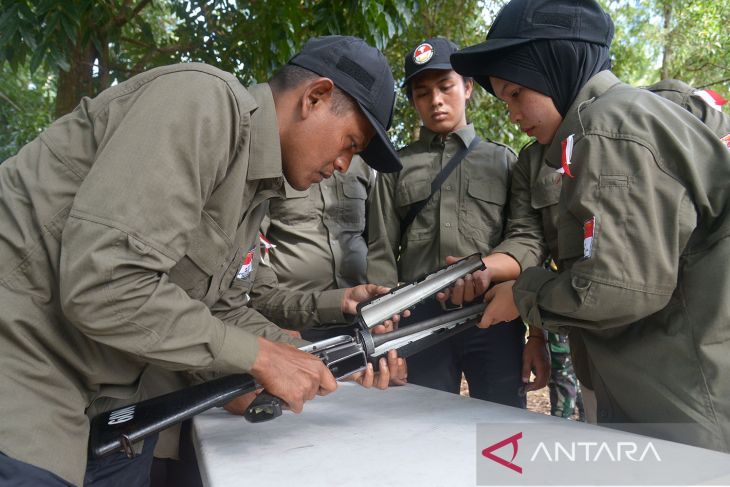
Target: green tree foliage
[53, 52]
[26, 106]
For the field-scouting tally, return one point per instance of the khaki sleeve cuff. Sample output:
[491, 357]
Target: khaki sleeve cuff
[238, 351]
[526, 291]
[329, 307]
[518, 252]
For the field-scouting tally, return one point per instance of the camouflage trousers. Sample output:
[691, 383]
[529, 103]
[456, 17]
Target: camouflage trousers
[564, 386]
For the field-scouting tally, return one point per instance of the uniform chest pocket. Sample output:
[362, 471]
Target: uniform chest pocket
[546, 191]
[205, 257]
[488, 191]
[298, 208]
[482, 215]
[353, 202]
[409, 193]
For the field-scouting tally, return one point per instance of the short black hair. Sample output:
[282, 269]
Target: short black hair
[290, 76]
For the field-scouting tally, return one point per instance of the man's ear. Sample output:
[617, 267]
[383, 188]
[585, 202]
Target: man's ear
[316, 95]
[468, 88]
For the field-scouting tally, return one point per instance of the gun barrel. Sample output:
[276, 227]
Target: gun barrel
[403, 297]
[452, 316]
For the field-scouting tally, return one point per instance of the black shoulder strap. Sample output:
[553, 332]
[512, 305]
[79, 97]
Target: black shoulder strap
[436, 183]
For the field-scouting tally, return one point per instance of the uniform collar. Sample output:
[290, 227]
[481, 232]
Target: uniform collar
[265, 147]
[466, 134]
[594, 88]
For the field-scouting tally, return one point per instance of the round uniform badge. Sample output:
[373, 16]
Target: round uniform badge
[423, 53]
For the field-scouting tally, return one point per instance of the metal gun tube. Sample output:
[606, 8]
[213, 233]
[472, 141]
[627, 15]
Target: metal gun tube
[403, 297]
[451, 316]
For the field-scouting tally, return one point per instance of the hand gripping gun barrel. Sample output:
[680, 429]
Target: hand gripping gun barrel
[343, 355]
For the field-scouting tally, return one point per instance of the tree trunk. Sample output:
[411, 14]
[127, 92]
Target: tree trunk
[77, 82]
[667, 55]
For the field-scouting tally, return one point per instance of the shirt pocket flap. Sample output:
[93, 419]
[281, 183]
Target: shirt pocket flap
[413, 192]
[489, 191]
[546, 191]
[570, 241]
[209, 246]
[352, 188]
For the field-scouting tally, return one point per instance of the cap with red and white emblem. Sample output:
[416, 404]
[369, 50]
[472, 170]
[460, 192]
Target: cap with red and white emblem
[430, 54]
[423, 53]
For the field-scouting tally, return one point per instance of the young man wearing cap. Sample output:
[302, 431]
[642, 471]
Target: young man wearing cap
[318, 244]
[125, 225]
[466, 214]
[642, 223]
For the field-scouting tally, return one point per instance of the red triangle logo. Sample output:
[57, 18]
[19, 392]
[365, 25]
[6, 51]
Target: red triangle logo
[487, 452]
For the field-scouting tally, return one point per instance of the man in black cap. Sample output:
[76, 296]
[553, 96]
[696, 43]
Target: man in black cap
[125, 229]
[642, 222]
[416, 223]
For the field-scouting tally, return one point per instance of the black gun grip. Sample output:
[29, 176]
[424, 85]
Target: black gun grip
[264, 408]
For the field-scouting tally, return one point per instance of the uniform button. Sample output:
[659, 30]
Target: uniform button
[448, 187]
[447, 224]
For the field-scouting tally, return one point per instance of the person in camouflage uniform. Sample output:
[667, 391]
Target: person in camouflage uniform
[563, 384]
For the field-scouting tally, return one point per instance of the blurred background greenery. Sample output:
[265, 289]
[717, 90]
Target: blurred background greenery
[53, 52]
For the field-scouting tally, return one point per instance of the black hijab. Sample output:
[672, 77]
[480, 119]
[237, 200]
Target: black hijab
[556, 68]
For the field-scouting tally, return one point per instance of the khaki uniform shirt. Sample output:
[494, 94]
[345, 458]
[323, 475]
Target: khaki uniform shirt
[532, 230]
[124, 228]
[466, 215]
[647, 291]
[688, 98]
[319, 246]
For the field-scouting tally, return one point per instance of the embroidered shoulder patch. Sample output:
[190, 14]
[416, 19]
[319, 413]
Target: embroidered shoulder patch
[588, 227]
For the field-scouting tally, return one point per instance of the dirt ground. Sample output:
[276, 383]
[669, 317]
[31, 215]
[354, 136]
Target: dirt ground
[537, 401]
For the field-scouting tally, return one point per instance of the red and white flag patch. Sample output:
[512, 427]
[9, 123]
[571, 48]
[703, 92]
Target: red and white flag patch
[588, 227]
[246, 267]
[566, 155]
[712, 98]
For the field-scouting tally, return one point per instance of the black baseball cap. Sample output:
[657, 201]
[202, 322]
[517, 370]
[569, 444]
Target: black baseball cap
[523, 21]
[432, 53]
[362, 72]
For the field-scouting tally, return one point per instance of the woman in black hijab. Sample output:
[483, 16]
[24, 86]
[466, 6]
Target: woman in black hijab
[641, 226]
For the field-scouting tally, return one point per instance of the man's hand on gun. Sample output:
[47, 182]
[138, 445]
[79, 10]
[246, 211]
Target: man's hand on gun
[392, 371]
[359, 294]
[290, 374]
[500, 305]
[467, 289]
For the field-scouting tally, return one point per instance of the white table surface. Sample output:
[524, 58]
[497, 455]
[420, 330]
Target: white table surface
[403, 436]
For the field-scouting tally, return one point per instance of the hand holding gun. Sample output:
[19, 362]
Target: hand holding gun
[343, 356]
